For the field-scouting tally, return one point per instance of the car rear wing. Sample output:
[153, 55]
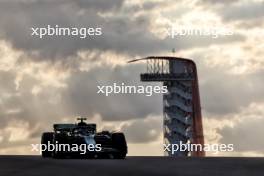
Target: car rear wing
[65, 127]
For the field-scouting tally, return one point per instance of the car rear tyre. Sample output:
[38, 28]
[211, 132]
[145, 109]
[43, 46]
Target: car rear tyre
[46, 138]
[119, 142]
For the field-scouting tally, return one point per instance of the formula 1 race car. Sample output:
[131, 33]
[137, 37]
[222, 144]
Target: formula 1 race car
[82, 140]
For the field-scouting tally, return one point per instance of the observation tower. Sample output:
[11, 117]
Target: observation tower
[182, 121]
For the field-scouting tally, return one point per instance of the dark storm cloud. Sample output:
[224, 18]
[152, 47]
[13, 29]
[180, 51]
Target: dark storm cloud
[247, 14]
[82, 98]
[143, 131]
[223, 93]
[122, 32]
[7, 91]
[101, 5]
[87, 4]
[8, 79]
[243, 11]
[32, 109]
[217, 2]
[247, 135]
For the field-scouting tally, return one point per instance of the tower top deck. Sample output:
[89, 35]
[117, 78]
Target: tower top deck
[165, 68]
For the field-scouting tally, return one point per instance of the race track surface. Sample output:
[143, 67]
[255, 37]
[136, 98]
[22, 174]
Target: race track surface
[153, 166]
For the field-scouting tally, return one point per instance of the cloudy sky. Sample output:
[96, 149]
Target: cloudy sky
[44, 81]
